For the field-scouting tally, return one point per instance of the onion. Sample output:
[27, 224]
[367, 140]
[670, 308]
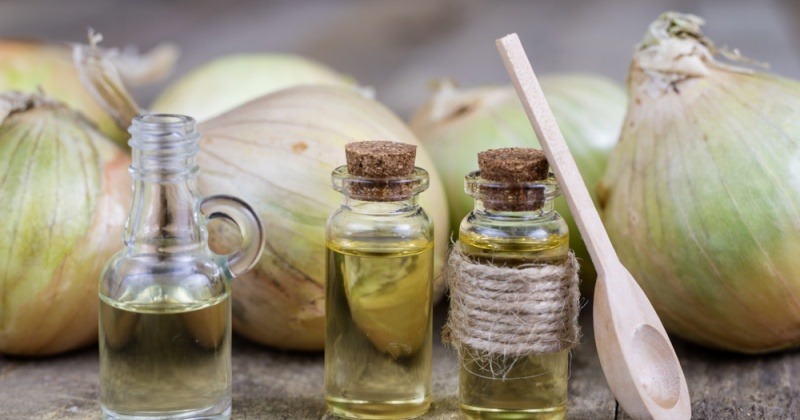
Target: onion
[454, 125]
[228, 82]
[66, 193]
[33, 66]
[701, 196]
[277, 153]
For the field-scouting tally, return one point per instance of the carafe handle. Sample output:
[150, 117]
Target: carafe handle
[249, 224]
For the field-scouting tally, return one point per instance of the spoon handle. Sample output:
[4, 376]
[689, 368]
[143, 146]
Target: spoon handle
[558, 154]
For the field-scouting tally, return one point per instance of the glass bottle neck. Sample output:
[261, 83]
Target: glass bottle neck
[164, 215]
[164, 218]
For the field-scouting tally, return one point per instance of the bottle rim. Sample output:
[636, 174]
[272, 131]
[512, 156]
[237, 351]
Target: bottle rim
[392, 189]
[164, 132]
[517, 193]
[164, 147]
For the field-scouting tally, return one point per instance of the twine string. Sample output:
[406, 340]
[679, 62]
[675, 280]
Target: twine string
[512, 311]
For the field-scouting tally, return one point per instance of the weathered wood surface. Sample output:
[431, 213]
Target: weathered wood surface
[268, 384]
[397, 47]
[271, 384]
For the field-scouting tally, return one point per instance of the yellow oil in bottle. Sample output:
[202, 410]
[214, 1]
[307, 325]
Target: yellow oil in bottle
[379, 332]
[524, 387]
[169, 357]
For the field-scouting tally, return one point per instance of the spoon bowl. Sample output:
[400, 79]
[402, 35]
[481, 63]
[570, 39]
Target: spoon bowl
[635, 352]
[638, 360]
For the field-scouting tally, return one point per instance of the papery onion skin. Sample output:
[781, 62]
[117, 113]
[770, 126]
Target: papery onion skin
[277, 153]
[454, 125]
[29, 66]
[702, 195]
[66, 193]
[230, 81]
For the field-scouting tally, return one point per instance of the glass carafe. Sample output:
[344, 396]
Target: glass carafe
[165, 310]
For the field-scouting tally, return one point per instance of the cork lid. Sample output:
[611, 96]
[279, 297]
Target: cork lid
[513, 164]
[383, 168]
[380, 159]
[510, 178]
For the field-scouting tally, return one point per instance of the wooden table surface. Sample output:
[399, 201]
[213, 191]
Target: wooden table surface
[272, 384]
[397, 47]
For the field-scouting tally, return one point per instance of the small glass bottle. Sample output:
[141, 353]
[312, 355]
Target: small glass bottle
[379, 288]
[513, 223]
[165, 311]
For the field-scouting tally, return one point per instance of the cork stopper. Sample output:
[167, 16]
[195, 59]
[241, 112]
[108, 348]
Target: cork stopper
[380, 159]
[512, 171]
[381, 164]
[513, 164]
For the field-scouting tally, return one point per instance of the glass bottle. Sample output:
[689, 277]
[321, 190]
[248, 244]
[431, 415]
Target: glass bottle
[513, 223]
[378, 332]
[165, 311]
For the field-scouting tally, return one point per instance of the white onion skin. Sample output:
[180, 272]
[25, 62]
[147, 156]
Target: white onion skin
[702, 202]
[29, 66]
[277, 153]
[64, 214]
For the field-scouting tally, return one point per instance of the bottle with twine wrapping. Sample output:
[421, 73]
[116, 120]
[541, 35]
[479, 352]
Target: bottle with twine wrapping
[379, 286]
[514, 298]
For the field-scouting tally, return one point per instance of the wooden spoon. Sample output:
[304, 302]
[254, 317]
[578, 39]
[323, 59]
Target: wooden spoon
[637, 357]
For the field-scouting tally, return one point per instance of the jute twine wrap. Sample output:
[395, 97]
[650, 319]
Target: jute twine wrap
[530, 309]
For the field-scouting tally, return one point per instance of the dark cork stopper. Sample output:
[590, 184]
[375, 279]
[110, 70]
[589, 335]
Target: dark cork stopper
[513, 165]
[382, 164]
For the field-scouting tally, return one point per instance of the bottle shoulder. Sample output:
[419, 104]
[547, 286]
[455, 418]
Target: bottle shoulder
[346, 224]
[161, 279]
[541, 238]
[551, 224]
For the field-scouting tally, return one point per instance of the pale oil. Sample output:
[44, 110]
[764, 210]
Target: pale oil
[166, 359]
[378, 341]
[508, 388]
